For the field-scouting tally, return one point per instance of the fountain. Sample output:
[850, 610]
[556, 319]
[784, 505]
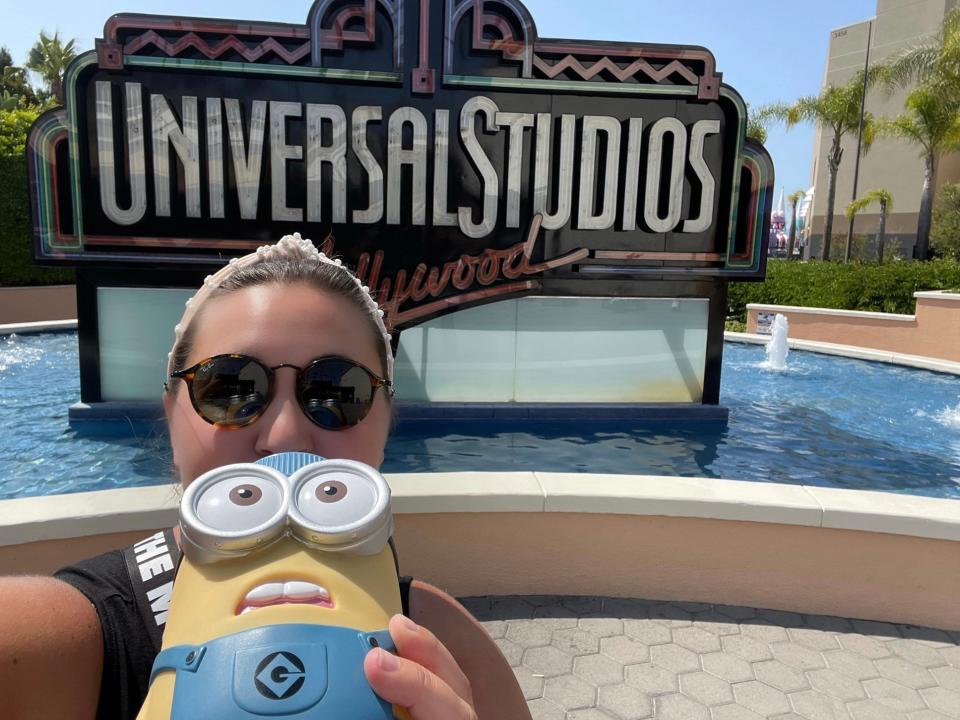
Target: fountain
[777, 348]
[950, 417]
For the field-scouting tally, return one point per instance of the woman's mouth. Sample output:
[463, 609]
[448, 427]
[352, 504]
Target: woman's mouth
[292, 592]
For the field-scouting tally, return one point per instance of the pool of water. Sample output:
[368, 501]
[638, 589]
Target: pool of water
[824, 421]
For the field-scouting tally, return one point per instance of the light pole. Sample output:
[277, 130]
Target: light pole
[856, 164]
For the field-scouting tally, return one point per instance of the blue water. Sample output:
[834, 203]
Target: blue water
[825, 421]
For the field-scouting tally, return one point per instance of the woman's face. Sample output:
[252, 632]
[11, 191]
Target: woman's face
[276, 324]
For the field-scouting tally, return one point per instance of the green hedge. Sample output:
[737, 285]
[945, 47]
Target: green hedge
[852, 286]
[16, 235]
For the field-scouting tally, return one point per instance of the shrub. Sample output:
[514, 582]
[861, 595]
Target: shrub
[945, 231]
[14, 126]
[16, 235]
[854, 286]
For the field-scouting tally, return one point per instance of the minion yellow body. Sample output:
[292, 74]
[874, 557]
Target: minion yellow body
[287, 587]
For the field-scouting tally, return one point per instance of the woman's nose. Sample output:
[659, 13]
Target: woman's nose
[283, 426]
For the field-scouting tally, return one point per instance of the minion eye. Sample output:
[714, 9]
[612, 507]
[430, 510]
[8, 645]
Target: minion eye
[238, 504]
[340, 506]
[336, 499]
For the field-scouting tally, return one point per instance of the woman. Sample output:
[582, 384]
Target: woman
[70, 646]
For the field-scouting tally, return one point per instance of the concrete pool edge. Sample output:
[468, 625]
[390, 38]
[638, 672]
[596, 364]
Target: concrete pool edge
[33, 519]
[39, 326]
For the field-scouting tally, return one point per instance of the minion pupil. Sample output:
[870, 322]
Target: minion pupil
[245, 495]
[331, 492]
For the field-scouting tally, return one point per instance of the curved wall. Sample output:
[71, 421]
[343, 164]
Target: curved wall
[815, 550]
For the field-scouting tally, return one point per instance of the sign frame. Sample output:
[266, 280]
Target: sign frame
[424, 48]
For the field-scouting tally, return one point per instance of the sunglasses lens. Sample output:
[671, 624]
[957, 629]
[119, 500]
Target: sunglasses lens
[231, 390]
[336, 393]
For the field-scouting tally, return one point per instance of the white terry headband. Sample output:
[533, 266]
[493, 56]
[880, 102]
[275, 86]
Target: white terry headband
[290, 247]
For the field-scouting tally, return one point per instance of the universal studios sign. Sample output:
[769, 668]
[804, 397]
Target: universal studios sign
[440, 146]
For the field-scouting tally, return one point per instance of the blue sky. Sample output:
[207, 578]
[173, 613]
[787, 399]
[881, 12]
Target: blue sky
[768, 50]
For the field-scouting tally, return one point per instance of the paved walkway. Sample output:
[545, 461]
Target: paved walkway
[607, 658]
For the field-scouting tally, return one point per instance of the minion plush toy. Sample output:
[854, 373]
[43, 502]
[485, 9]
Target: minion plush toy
[286, 582]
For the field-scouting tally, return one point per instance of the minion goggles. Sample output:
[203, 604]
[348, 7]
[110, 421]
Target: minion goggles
[329, 505]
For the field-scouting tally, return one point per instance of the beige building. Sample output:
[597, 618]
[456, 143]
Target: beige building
[891, 164]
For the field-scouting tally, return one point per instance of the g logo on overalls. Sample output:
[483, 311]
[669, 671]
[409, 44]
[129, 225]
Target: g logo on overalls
[279, 676]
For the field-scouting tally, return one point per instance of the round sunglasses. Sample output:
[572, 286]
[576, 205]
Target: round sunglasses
[232, 391]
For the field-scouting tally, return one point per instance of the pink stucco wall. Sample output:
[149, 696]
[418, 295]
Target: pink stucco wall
[933, 332]
[37, 304]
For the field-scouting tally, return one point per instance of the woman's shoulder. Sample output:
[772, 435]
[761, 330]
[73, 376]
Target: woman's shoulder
[130, 586]
[51, 649]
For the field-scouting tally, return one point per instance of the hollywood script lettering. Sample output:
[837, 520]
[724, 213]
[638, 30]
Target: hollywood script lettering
[484, 269]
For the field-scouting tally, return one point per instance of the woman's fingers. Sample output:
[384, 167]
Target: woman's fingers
[418, 644]
[410, 685]
[424, 678]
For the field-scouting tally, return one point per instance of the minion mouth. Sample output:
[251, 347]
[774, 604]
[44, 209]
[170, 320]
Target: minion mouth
[292, 592]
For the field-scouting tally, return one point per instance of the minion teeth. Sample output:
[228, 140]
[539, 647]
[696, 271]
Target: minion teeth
[292, 592]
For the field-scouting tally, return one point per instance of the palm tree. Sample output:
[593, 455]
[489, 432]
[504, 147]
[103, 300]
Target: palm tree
[13, 82]
[757, 122]
[794, 199]
[885, 200]
[14, 85]
[837, 109]
[931, 108]
[938, 58]
[931, 121]
[49, 58]
[8, 102]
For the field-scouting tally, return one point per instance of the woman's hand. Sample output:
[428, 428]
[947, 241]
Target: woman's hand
[425, 678]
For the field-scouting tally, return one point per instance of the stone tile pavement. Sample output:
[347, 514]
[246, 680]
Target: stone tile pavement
[588, 658]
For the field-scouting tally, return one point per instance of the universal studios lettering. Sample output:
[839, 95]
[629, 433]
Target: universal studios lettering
[590, 172]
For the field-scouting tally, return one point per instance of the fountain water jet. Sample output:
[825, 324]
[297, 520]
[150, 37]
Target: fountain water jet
[777, 349]
[950, 417]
